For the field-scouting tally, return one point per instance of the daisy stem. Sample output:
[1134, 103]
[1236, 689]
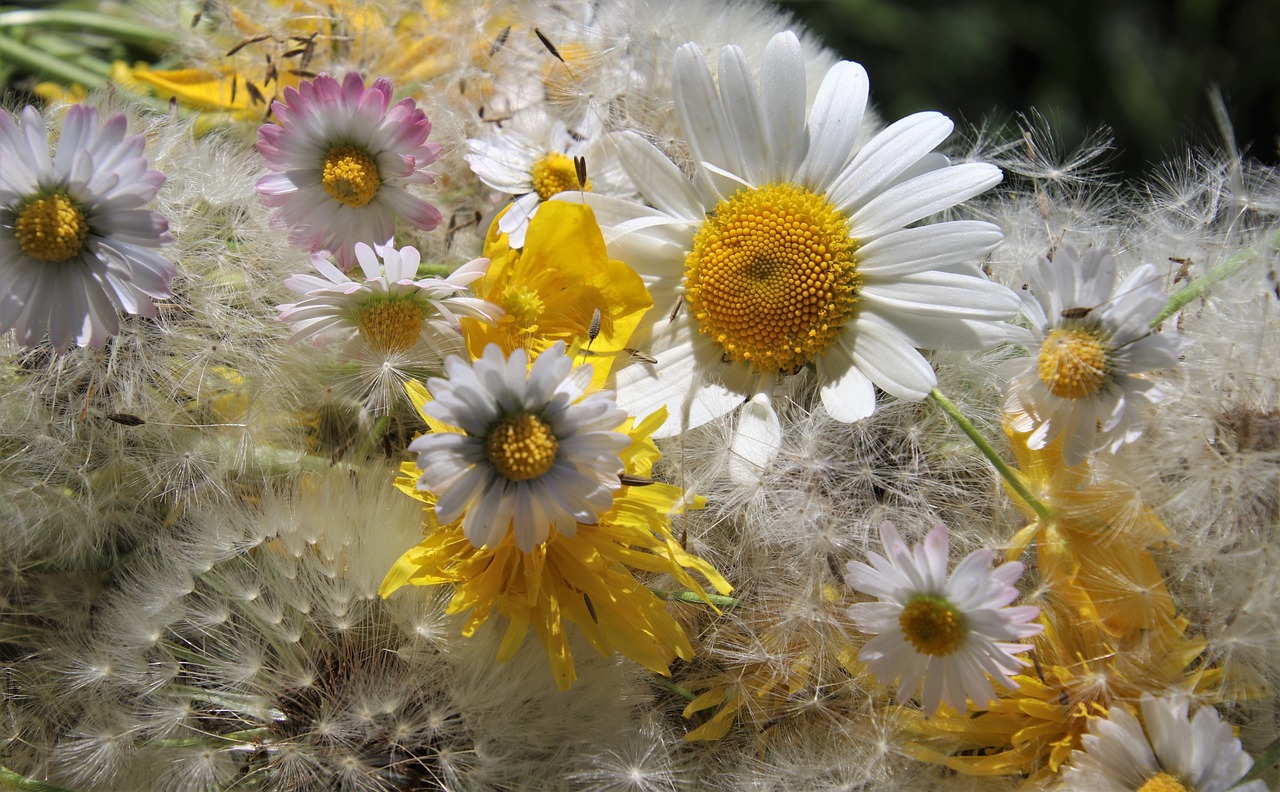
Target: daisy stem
[682, 692]
[88, 22]
[1179, 299]
[1268, 759]
[375, 434]
[719, 600]
[1007, 473]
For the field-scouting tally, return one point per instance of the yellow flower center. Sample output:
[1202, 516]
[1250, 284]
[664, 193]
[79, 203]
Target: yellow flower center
[555, 173]
[932, 625]
[1163, 782]
[350, 175]
[390, 325]
[772, 276]
[51, 228]
[1073, 363]
[523, 306]
[521, 447]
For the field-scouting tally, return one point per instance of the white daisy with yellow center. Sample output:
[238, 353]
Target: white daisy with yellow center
[1087, 342]
[791, 248]
[533, 451]
[1174, 754]
[952, 631]
[392, 309]
[76, 246]
[532, 158]
[342, 161]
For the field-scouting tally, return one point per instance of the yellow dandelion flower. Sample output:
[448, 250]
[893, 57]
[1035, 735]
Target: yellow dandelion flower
[543, 572]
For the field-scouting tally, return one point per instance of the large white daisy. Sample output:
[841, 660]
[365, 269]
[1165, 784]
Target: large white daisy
[341, 162]
[533, 453]
[74, 239]
[1175, 754]
[791, 247]
[952, 631]
[1088, 340]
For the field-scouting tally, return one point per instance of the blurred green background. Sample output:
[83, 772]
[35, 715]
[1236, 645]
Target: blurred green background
[1143, 68]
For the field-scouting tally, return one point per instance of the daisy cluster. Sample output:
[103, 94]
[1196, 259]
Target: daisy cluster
[349, 344]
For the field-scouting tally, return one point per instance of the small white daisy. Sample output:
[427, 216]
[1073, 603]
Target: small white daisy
[791, 247]
[534, 453]
[1175, 754]
[340, 162]
[532, 157]
[74, 240]
[1088, 340]
[391, 309]
[952, 631]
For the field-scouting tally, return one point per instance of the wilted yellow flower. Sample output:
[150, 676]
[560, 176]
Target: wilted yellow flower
[1093, 553]
[1080, 670]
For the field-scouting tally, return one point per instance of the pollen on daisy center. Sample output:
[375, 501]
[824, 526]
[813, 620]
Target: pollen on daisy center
[521, 446]
[51, 228]
[555, 173]
[390, 325]
[772, 276]
[1073, 363]
[350, 175]
[932, 625]
[1163, 782]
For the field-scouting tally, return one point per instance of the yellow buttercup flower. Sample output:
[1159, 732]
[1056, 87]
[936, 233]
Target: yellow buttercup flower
[552, 288]
[587, 577]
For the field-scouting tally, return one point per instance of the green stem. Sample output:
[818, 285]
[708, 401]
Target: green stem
[1179, 299]
[45, 65]
[1006, 472]
[379, 429]
[88, 22]
[719, 600]
[12, 780]
[1268, 759]
[682, 692]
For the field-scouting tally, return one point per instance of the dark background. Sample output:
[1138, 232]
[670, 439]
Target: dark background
[1139, 67]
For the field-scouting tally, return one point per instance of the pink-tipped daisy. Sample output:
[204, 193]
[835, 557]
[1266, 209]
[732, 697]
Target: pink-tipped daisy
[341, 162]
[75, 242]
[952, 631]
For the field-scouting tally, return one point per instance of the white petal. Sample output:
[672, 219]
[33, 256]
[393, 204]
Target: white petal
[879, 163]
[756, 438]
[920, 197]
[658, 178]
[890, 361]
[783, 93]
[834, 122]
